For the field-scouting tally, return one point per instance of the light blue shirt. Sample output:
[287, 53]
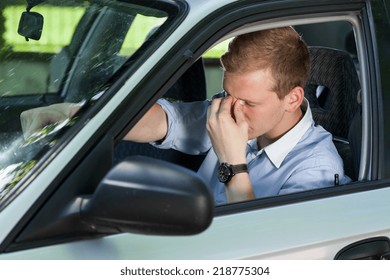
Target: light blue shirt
[305, 158]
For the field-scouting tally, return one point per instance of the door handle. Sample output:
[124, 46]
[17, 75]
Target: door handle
[376, 248]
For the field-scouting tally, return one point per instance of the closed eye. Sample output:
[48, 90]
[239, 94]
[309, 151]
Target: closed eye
[249, 104]
[246, 102]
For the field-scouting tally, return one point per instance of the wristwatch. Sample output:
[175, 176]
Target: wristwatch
[226, 171]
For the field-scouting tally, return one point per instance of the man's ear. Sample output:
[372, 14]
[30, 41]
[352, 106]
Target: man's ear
[294, 99]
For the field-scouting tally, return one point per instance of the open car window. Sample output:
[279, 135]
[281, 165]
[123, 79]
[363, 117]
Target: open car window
[333, 92]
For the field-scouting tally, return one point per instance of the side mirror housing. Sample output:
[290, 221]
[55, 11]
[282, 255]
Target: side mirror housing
[149, 196]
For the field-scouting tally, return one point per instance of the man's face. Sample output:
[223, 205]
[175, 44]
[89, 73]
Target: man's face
[262, 108]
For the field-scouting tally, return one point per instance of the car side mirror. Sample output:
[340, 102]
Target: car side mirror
[149, 196]
[30, 25]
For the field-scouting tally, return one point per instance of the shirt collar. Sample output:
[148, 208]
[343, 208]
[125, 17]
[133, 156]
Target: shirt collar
[278, 150]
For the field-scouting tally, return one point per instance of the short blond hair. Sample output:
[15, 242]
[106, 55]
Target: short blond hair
[281, 50]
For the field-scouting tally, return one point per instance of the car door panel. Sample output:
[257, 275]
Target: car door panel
[315, 229]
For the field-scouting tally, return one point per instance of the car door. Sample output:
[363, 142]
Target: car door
[345, 221]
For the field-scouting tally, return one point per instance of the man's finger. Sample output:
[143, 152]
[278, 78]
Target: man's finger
[239, 113]
[226, 105]
[213, 109]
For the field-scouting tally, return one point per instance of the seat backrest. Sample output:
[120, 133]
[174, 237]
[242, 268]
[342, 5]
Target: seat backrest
[332, 91]
[191, 86]
[335, 103]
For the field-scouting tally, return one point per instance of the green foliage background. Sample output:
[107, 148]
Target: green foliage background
[58, 29]
[2, 29]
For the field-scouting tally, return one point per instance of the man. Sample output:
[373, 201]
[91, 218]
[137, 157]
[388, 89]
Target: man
[260, 137]
[263, 127]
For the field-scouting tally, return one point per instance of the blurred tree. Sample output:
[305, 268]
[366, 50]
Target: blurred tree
[4, 49]
[2, 26]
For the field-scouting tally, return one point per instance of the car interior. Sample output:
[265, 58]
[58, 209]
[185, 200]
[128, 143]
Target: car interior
[191, 86]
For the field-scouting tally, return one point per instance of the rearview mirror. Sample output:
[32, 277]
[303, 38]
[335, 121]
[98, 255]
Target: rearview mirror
[30, 25]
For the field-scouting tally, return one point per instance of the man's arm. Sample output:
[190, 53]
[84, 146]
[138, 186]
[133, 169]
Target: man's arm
[153, 126]
[239, 188]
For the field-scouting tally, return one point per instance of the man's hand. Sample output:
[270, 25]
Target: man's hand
[228, 130]
[35, 119]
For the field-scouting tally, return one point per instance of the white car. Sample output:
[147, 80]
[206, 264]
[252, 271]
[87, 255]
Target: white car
[77, 191]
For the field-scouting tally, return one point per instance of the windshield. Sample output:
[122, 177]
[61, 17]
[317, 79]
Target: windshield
[60, 52]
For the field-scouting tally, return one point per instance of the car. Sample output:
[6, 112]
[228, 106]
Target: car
[76, 190]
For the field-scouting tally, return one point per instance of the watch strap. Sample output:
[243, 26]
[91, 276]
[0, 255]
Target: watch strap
[239, 168]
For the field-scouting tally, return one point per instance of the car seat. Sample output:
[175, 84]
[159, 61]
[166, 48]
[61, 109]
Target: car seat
[333, 90]
[191, 86]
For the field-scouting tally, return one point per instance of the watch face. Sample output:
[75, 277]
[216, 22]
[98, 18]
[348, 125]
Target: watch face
[224, 173]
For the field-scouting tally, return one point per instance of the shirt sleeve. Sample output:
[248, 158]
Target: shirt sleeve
[186, 127]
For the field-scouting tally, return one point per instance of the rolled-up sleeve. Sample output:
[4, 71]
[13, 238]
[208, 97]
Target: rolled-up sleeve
[186, 127]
